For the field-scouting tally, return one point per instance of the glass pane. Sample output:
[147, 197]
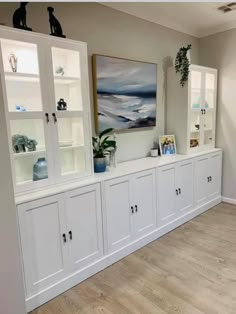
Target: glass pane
[195, 129]
[21, 68]
[29, 152]
[71, 145]
[72, 160]
[210, 90]
[30, 167]
[207, 127]
[196, 81]
[19, 57]
[66, 69]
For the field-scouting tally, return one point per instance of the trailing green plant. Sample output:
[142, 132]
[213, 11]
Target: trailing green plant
[102, 144]
[182, 64]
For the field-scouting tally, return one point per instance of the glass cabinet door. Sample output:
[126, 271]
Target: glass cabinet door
[25, 111]
[69, 113]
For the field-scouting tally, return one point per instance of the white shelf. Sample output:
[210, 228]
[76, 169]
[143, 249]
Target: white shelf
[70, 147]
[65, 79]
[28, 154]
[21, 77]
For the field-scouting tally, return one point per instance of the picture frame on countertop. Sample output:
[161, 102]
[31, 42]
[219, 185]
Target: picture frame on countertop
[167, 145]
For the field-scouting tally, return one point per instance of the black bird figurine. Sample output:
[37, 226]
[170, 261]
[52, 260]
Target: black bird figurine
[19, 17]
[56, 29]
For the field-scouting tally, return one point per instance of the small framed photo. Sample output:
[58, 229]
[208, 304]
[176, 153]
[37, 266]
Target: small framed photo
[167, 145]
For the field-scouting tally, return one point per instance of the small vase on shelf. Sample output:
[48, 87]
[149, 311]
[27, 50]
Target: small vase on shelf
[40, 169]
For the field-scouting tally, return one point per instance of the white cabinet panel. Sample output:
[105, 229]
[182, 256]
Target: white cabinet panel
[166, 194]
[45, 254]
[84, 225]
[201, 180]
[184, 200]
[215, 165]
[144, 200]
[118, 212]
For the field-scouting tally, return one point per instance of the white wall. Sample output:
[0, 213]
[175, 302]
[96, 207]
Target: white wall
[11, 284]
[218, 51]
[114, 33]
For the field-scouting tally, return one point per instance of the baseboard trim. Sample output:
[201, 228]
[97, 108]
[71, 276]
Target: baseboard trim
[67, 283]
[229, 200]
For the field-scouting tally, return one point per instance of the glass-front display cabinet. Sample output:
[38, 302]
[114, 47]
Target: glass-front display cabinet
[191, 110]
[44, 82]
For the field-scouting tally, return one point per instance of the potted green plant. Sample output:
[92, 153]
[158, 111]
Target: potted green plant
[101, 146]
[182, 63]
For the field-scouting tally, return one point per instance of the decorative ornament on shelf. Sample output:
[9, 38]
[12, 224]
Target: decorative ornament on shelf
[19, 17]
[21, 142]
[61, 104]
[55, 26]
[40, 169]
[102, 146]
[182, 63]
[12, 58]
[59, 70]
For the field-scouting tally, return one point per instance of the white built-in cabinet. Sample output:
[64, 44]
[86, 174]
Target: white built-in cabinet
[207, 177]
[175, 187]
[130, 213]
[36, 71]
[60, 235]
[69, 236]
[191, 110]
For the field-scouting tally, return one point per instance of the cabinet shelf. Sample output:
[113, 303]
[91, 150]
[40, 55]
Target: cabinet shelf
[28, 154]
[21, 77]
[70, 147]
[65, 79]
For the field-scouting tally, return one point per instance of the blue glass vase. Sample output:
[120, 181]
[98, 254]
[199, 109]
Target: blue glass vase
[100, 164]
[40, 169]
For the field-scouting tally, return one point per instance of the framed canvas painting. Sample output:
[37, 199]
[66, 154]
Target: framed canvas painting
[125, 93]
[167, 145]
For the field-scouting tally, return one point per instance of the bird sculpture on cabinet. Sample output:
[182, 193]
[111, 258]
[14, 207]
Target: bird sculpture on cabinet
[19, 17]
[56, 29]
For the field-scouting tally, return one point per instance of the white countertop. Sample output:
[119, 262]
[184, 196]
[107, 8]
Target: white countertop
[122, 169]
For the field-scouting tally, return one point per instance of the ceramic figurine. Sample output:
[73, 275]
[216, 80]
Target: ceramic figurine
[21, 142]
[60, 70]
[19, 17]
[40, 169]
[61, 105]
[31, 145]
[56, 29]
[13, 62]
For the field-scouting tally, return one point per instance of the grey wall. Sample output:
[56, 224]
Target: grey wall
[11, 284]
[218, 51]
[114, 33]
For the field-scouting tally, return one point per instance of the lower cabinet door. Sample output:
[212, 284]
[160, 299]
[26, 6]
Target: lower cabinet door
[184, 184]
[166, 194]
[118, 212]
[43, 240]
[84, 225]
[144, 202]
[201, 173]
[215, 165]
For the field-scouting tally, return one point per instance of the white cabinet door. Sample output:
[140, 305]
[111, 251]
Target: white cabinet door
[215, 165]
[201, 174]
[84, 225]
[118, 212]
[144, 202]
[184, 184]
[166, 194]
[43, 241]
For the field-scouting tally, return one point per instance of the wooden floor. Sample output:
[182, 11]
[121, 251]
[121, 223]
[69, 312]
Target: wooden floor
[191, 270]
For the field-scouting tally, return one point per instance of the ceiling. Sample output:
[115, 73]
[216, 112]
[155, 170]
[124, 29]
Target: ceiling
[198, 19]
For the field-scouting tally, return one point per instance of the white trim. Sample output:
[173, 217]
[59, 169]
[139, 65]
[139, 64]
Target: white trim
[74, 279]
[229, 200]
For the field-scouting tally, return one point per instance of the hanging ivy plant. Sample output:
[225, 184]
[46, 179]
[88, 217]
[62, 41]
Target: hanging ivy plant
[182, 64]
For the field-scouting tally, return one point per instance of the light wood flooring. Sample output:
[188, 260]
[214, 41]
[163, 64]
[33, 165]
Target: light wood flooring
[191, 270]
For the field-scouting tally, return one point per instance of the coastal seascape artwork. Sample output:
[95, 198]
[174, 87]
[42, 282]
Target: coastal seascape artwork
[125, 93]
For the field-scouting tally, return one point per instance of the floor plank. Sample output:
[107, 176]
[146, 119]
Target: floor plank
[191, 270]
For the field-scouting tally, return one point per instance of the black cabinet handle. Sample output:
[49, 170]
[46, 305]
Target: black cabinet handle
[132, 209]
[70, 234]
[54, 117]
[136, 208]
[210, 178]
[179, 191]
[47, 117]
[64, 237]
[176, 191]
